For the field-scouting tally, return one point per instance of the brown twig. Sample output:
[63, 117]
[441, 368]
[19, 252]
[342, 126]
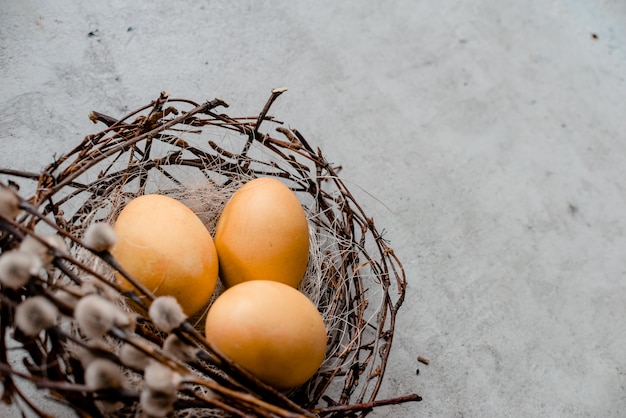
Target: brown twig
[368, 405]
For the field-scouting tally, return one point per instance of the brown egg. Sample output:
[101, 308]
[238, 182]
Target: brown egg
[262, 234]
[163, 244]
[270, 329]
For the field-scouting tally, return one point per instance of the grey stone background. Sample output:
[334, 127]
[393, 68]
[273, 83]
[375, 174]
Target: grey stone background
[486, 138]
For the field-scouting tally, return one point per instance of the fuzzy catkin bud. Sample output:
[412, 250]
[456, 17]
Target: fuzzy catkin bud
[134, 357]
[161, 378]
[109, 407]
[88, 354]
[92, 285]
[166, 313]
[67, 297]
[33, 245]
[17, 266]
[103, 374]
[9, 203]
[35, 314]
[99, 236]
[96, 316]
[179, 349]
[125, 321]
[156, 404]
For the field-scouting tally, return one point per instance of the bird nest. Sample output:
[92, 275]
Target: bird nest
[198, 155]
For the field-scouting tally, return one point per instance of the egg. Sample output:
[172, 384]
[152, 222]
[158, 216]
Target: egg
[270, 329]
[165, 246]
[262, 234]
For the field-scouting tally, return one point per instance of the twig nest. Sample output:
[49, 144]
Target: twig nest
[17, 266]
[166, 313]
[35, 314]
[193, 153]
[44, 247]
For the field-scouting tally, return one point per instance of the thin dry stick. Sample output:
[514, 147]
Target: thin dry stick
[368, 405]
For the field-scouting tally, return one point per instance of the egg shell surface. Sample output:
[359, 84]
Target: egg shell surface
[164, 245]
[262, 234]
[270, 329]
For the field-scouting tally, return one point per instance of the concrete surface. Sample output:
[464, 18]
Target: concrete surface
[489, 137]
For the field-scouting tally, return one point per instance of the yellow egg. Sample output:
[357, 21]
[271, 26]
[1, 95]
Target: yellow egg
[163, 244]
[262, 234]
[270, 329]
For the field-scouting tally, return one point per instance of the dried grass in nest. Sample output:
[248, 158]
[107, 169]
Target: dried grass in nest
[195, 154]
